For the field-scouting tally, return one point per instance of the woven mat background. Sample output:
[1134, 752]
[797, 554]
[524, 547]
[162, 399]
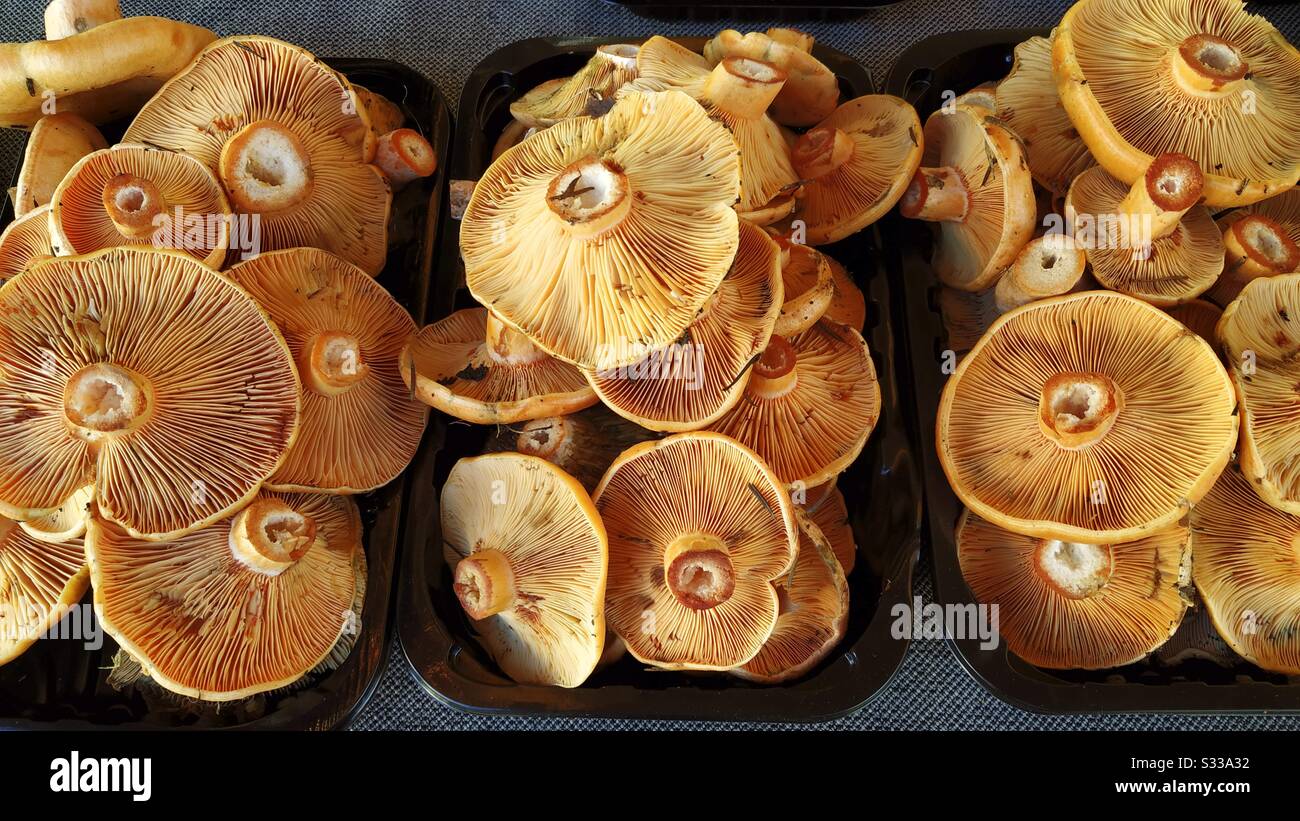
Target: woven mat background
[445, 40]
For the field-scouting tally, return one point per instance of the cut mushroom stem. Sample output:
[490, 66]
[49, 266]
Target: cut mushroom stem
[132, 204]
[553, 438]
[591, 196]
[268, 536]
[484, 583]
[64, 18]
[775, 374]
[332, 363]
[266, 168]
[1075, 570]
[403, 155]
[936, 195]
[1208, 66]
[1257, 246]
[820, 151]
[743, 87]
[1156, 202]
[1049, 265]
[698, 571]
[104, 398]
[507, 346]
[1075, 410]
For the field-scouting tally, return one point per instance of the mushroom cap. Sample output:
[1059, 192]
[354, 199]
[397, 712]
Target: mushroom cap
[24, 241]
[698, 378]
[362, 438]
[809, 286]
[603, 301]
[1114, 63]
[80, 223]
[103, 74]
[173, 363]
[814, 613]
[56, 143]
[605, 73]
[64, 523]
[1064, 605]
[1244, 563]
[241, 81]
[970, 254]
[966, 315]
[1156, 450]
[1200, 316]
[886, 137]
[707, 486]
[1260, 341]
[818, 427]
[849, 304]
[831, 515]
[204, 624]
[1026, 100]
[982, 96]
[456, 371]
[1178, 267]
[582, 444]
[39, 580]
[540, 518]
[811, 89]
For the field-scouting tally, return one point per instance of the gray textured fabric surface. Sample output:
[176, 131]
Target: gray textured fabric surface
[445, 41]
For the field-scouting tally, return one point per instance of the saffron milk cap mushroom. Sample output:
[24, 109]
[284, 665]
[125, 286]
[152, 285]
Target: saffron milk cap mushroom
[39, 581]
[56, 143]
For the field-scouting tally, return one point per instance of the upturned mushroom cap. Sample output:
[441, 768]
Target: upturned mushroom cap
[983, 96]
[24, 241]
[1064, 605]
[529, 556]
[831, 515]
[1047, 426]
[56, 143]
[582, 444]
[813, 613]
[245, 605]
[855, 165]
[811, 90]
[974, 186]
[691, 565]
[137, 195]
[1260, 340]
[1245, 564]
[601, 239]
[809, 286]
[287, 139]
[695, 380]
[608, 70]
[1200, 317]
[360, 425]
[129, 368]
[64, 523]
[1205, 79]
[1026, 100]
[474, 367]
[103, 74]
[810, 405]
[39, 580]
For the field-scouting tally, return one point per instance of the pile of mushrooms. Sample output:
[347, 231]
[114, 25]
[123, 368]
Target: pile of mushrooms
[1116, 237]
[189, 417]
[647, 250]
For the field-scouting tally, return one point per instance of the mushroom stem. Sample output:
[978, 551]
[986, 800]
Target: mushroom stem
[1156, 202]
[820, 151]
[132, 204]
[554, 438]
[64, 18]
[936, 195]
[1208, 66]
[484, 583]
[265, 167]
[1075, 570]
[621, 55]
[1075, 410]
[331, 363]
[591, 196]
[1256, 246]
[507, 346]
[105, 398]
[743, 87]
[775, 373]
[268, 536]
[698, 570]
[1049, 265]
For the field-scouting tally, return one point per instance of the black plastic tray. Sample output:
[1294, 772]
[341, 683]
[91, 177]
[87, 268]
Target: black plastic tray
[57, 684]
[752, 9]
[957, 62]
[882, 491]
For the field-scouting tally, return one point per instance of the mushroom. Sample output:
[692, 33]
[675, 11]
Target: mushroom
[102, 74]
[966, 315]
[608, 70]
[137, 195]
[360, 426]
[692, 382]
[1150, 240]
[1253, 246]
[977, 191]
[1244, 564]
[855, 165]
[383, 114]
[811, 90]
[1197, 640]
[812, 616]
[286, 138]
[736, 92]
[825, 506]
[811, 402]
[1200, 317]
[1260, 340]
[1092, 417]
[473, 366]
[1206, 79]
[582, 444]
[24, 241]
[245, 605]
[65, 18]
[64, 523]
[848, 304]
[55, 145]
[692, 564]
[403, 155]
[982, 96]
[134, 387]
[1049, 265]
[1026, 100]
[809, 286]
[601, 239]
[39, 581]
[529, 556]
[513, 134]
[1065, 605]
